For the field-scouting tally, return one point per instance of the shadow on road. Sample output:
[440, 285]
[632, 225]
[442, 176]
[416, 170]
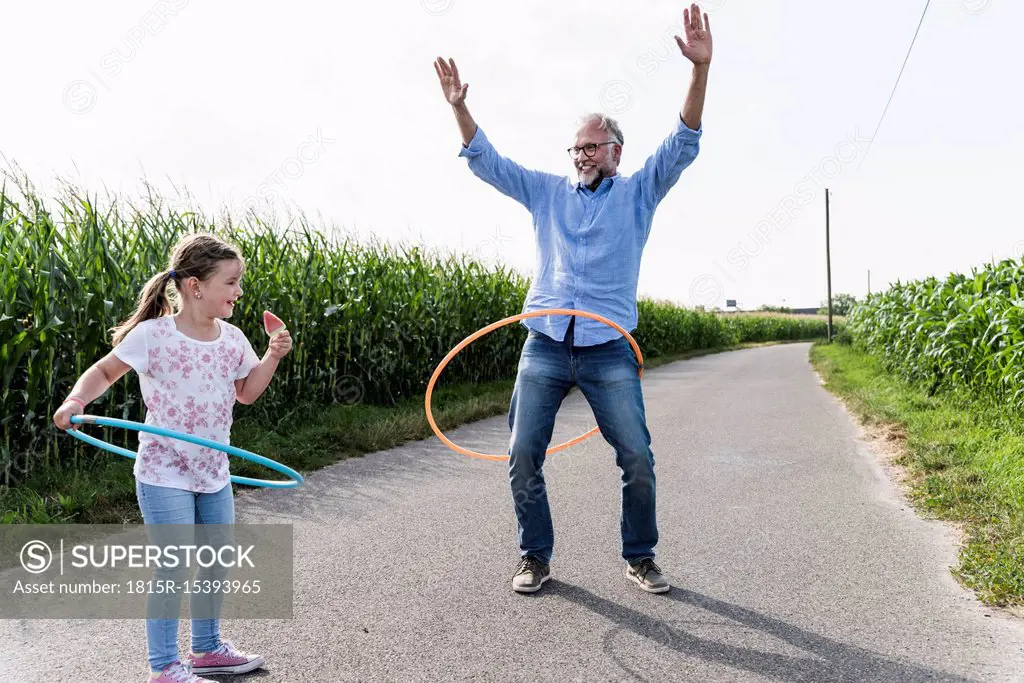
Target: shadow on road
[829, 660]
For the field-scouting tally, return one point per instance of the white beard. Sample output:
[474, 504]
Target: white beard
[590, 176]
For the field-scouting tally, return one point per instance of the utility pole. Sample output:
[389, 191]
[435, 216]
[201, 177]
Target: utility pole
[828, 268]
[869, 282]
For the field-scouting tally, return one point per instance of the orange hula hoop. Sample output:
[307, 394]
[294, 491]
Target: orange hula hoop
[501, 323]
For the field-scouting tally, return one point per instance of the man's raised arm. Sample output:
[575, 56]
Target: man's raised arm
[503, 174]
[662, 169]
[455, 92]
[696, 48]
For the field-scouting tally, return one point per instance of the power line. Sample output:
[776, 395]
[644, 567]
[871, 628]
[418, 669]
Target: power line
[905, 60]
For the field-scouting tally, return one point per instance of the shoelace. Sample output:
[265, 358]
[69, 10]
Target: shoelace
[179, 672]
[645, 565]
[226, 648]
[529, 564]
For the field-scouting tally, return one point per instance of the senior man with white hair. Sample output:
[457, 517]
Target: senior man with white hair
[590, 236]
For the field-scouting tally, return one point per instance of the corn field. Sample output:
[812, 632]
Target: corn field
[966, 331]
[369, 322]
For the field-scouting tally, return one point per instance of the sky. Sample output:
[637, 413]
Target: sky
[335, 111]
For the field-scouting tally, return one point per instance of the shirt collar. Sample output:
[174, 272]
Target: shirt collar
[605, 183]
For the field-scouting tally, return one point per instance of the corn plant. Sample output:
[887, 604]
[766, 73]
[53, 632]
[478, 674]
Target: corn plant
[966, 331]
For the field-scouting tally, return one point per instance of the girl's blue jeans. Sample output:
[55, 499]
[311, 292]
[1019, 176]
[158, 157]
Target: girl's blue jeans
[162, 505]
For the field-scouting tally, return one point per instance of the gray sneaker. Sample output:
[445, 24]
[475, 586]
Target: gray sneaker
[647, 575]
[530, 575]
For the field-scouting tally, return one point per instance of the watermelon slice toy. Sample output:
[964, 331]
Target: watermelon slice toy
[272, 324]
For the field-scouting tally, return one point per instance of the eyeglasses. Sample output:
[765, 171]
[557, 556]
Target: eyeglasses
[590, 149]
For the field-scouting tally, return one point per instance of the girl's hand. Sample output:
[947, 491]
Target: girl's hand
[62, 418]
[280, 345]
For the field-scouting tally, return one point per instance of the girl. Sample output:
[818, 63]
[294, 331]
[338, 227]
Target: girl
[192, 367]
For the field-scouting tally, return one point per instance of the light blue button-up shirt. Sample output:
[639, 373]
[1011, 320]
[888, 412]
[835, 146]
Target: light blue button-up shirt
[589, 244]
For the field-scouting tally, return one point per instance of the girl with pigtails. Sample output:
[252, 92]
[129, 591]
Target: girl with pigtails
[193, 366]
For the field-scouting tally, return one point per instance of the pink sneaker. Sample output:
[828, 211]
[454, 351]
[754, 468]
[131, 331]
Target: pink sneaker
[178, 673]
[225, 660]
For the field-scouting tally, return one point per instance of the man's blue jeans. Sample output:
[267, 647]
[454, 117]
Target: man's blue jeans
[607, 376]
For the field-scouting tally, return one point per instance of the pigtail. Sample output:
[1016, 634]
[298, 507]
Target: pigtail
[153, 303]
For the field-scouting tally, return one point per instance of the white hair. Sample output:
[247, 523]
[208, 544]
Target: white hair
[604, 123]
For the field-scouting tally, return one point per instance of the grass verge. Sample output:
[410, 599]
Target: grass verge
[963, 458]
[307, 438]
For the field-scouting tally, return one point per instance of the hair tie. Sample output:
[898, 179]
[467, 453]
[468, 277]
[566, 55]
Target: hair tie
[171, 274]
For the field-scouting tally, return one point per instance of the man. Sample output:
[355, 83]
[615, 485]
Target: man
[590, 236]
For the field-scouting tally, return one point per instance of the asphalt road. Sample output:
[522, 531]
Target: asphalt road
[793, 558]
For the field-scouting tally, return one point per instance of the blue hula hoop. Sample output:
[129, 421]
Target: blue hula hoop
[198, 440]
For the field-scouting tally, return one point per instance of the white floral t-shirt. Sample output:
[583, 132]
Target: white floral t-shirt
[188, 386]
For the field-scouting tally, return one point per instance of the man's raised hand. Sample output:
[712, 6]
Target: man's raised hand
[448, 74]
[697, 47]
